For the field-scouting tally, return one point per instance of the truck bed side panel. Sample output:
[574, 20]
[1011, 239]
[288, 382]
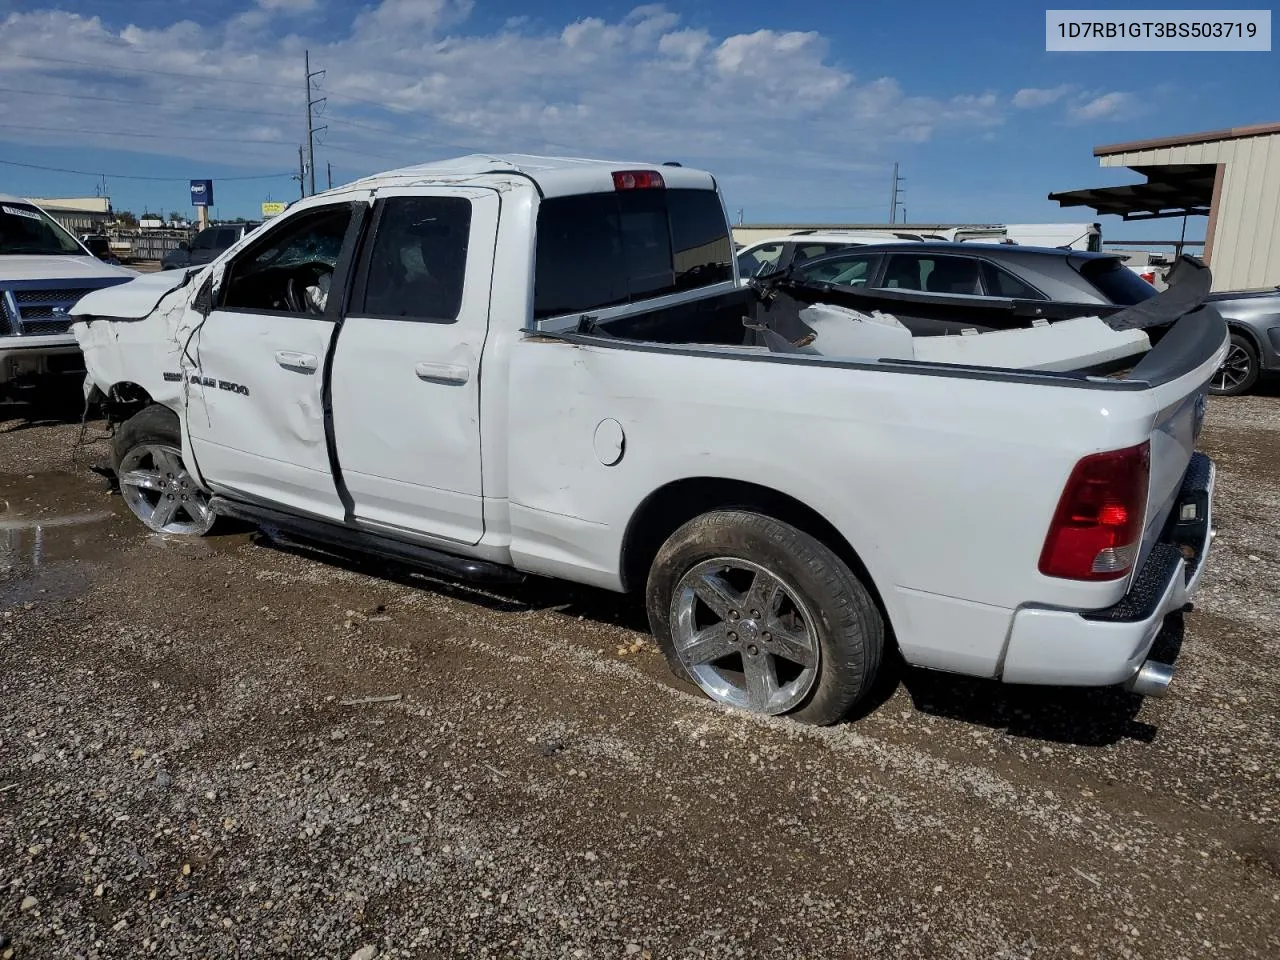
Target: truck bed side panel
[943, 485]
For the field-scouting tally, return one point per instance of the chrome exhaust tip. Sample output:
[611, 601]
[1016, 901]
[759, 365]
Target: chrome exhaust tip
[1151, 680]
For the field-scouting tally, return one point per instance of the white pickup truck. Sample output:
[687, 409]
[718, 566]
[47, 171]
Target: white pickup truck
[494, 367]
[44, 270]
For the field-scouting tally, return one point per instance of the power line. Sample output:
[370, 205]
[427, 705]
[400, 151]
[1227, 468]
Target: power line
[420, 138]
[140, 136]
[400, 111]
[160, 73]
[133, 176]
[142, 103]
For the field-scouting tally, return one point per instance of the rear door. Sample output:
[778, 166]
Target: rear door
[255, 407]
[406, 370]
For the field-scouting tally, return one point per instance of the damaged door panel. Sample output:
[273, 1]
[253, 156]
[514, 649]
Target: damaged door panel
[255, 407]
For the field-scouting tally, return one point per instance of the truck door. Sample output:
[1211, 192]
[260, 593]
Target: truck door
[255, 412]
[406, 370]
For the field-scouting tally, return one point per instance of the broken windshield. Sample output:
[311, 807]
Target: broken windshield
[27, 230]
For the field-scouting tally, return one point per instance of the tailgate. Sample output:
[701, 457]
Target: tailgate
[1177, 369]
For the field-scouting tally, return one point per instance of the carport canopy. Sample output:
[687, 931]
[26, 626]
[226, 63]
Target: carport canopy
[1176, 190]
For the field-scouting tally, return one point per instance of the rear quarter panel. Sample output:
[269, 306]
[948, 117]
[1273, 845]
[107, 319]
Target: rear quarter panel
[943, 485]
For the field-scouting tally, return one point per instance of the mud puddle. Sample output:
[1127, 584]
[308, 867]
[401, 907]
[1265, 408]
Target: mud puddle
[54, 527]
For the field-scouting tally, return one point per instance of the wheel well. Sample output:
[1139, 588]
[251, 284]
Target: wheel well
[669, 507]
[1249, 335]
[124, 399]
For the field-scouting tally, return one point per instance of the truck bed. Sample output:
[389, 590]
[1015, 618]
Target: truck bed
[824, 322]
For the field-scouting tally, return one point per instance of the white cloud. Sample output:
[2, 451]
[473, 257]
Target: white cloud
[1107, 106]
[684, 45]
[1032, 97]
[408, 80]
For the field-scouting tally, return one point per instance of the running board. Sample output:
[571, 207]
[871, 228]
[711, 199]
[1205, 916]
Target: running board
[318, 534]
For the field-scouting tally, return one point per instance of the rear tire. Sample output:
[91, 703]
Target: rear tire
[154, 480]
[763, 617]
[1240, 369]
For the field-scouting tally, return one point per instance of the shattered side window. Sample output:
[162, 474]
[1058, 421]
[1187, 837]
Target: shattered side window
[289, 269]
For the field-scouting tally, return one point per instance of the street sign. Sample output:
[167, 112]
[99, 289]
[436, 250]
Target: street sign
[272, 209]
[202, 193]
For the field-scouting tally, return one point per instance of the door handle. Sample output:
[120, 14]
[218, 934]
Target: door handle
[305, 362]
[442, 372]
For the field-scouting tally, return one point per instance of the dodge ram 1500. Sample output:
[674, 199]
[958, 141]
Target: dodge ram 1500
[500, 366]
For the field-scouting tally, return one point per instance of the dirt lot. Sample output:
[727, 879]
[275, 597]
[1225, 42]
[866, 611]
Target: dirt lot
[194, 761]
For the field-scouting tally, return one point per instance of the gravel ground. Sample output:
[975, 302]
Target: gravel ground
[225, 749]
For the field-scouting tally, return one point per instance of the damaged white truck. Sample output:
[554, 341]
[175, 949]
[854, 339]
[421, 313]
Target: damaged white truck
[493, 367]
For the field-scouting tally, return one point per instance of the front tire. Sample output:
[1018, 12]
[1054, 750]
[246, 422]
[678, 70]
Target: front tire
[763, 617]
[154, 480]
[1239, 371]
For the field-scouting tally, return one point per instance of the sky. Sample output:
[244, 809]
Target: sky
[800, 110]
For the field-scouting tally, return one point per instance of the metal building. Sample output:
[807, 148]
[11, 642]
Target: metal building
[78, 214]
[1231, 176]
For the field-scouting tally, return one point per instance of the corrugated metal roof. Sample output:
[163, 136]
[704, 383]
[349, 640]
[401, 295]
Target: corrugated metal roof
[1186, 139]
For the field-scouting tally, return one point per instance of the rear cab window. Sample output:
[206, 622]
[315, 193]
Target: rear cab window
[1116, 282]
[602, 250]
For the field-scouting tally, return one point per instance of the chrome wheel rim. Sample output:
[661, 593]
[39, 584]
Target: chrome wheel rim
[745, 636]
[1235, 368]
[161, 493]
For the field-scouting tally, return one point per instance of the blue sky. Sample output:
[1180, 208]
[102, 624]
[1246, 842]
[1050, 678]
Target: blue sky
[800, 109]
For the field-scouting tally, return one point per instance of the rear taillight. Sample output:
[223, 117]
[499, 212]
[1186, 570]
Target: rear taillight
[637, 180]
[1097, 528]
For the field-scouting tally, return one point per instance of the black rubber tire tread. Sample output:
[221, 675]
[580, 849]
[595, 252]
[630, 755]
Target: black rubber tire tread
[1255, 368]
[153, 424]
[850, 629]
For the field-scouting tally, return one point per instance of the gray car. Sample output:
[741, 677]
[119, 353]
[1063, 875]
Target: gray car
[950, 287]
[1253, 317]
[207, 245]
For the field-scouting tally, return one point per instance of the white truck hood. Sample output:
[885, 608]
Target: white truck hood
[25, 267]
[132, 300]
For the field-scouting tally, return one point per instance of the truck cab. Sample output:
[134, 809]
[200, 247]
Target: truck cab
[44, 270]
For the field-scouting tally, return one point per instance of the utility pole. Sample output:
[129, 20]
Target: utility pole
[302, 175]
[312, 129]
[329, 167]
[894, 203]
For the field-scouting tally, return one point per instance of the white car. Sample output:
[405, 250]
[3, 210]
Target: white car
[497, 366]
[44, 270]
[778, 253]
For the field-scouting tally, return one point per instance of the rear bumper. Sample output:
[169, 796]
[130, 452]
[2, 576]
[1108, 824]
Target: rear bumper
[1105, 647]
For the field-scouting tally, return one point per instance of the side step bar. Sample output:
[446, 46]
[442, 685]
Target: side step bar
[319, 534]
